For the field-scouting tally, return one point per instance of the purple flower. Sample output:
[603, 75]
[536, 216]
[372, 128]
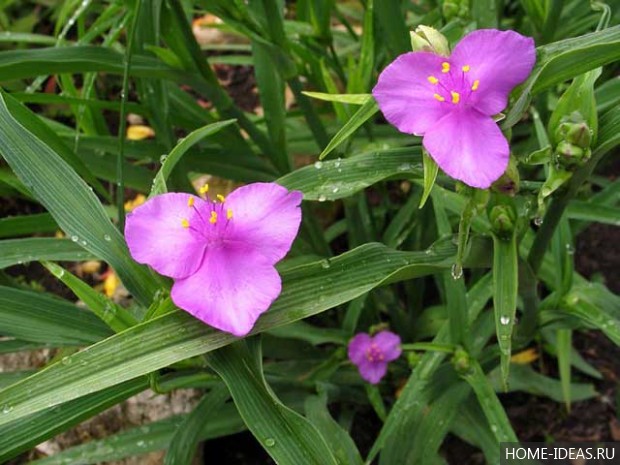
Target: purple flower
[371, 354]
[221, 254]
[451, 100]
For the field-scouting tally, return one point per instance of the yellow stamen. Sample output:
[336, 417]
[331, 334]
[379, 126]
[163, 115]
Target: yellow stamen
[432, 79]
[190, 202]
[455, 97]
[475, 84]
[229, 214]
[185, 223]
[465, 68]
[439, 97]
[213, 218]
[445, 67]
[204, 189]
[221, 198]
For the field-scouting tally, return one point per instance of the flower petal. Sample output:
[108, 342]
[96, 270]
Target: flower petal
[498, 60]
[156, 236]
[230, 290]
[358, 347]
[266, 217]
[405, 95]
[468, 146]
[389, 344]
[372, 371]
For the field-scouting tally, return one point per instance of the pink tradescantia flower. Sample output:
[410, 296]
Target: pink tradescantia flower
[221, 254]
[451, 100]
[372, 354]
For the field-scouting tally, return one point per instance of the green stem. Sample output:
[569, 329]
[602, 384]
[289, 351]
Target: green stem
[120, 175]
[556, 210]
[428, 346]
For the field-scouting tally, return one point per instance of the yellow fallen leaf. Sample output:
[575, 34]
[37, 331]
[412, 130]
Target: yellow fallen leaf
[110, 283]
[135, 202]
[525, 357]
[139, 132]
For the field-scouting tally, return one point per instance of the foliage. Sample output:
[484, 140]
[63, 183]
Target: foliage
[466, 278]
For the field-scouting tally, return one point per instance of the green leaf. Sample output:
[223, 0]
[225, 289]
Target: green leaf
[70, 201]
[288, 437]
[337, 438]
[18, 251]
[24, 225]
[524, 378]
[354, 99]
[185, 440]
[565, 347]
[363, 114]
[176, 336]
[159, 183]
[36, 317]
[491, 406]
[430, 174]
[593, 212]
[340, 178]
[115, 316]
[25, 433]
[505, 285]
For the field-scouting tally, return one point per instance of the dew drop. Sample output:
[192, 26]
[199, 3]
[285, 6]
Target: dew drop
[318, 165]
[140, 443]
[270, 442]
[107, 238]
[6, 408]
[337, 164]
[74, 238]
[83, 242]
[405, 167]
[538, 221]
[65, 361]
[162, 159]
[504, 320]
[335, 189]
[322, 198]
[325, 264]
[570, 250]
[457, 271]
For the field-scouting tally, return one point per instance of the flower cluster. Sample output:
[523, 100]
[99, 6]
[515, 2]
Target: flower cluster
[451, 100]
[372, 354]
[221, 253]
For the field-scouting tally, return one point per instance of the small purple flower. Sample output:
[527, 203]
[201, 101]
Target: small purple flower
[451, 100]
[221, 254]
[371, 354]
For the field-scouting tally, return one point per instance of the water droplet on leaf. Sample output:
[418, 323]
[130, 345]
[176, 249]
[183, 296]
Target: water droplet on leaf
[270, 442]
[318, 165]
[504, 320]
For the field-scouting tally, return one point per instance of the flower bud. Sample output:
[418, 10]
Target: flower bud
[428, 39]
[577, 133]
[570, 156]
[508, 183]
[503, 220]
[461, 361]
[455, 8]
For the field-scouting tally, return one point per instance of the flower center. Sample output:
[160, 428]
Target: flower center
[216, 211]
[374, 353]
[453, 86]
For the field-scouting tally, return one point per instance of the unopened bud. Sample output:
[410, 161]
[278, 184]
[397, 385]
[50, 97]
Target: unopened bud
[508, 183]
[413, 358]
[578, 134]
[428, 39]
[503, 218]
[455, 8]
[568, 155]
[461, 361]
